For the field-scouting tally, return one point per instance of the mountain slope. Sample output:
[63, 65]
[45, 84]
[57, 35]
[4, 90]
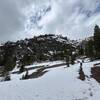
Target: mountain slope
[41, 48]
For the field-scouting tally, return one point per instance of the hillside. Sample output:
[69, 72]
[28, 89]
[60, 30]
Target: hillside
[42, 48]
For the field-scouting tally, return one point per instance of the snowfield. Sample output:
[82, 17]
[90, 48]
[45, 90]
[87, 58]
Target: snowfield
[59, 83]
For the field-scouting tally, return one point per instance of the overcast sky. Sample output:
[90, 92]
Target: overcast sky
[26, 18]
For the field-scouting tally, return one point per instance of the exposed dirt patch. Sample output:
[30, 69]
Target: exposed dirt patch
[95, 73]
[40, 72]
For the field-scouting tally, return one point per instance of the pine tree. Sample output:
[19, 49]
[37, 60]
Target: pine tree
[97, 41]
[21, 66]
[66, 54]
[21, 69]
[7, 76]
[26, 76]
[81, 50]
[89, 49]
[73, 57]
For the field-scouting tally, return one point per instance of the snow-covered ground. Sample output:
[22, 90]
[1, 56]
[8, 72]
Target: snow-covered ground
[60, 83]
[35, 64]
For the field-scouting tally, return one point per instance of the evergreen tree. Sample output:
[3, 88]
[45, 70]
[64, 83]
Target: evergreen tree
[26, 76]
[66, 54]
[7, 76]
[73, 57]
[21, 69]
[97, 41]
[21, 66]
[81, 50]
[89, 49]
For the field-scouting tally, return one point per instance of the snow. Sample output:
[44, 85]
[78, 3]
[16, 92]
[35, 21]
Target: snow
[30, 49]
[36, 64]
[59, 83]
[19, 46]
[44, 63]
[61, 40]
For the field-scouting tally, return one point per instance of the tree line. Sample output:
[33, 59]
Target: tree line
[91, 46]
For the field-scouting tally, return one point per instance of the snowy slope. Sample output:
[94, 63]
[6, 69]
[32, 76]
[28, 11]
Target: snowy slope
[60, 83]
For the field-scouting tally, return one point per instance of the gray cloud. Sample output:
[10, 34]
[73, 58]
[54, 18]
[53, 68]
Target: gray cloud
[73, 18]
[12, 18]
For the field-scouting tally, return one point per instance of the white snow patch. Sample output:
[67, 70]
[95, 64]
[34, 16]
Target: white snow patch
[58, 84]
